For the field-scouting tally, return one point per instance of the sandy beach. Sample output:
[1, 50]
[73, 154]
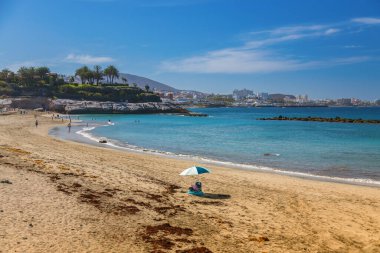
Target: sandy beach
[60, 196]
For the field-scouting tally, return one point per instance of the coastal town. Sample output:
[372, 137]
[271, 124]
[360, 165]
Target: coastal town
[249, 98]
[174, 102]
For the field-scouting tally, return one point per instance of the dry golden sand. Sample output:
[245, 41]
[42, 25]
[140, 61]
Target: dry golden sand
[71, 197]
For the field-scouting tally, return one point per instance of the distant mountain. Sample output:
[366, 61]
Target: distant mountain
[142, 81]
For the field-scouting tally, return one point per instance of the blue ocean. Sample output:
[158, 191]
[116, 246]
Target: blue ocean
[235, 137]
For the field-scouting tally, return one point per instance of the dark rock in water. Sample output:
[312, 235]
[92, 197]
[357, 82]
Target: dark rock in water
[270, 154]
[196, 114]
[320, 119]
[6, 181]
[103, 140]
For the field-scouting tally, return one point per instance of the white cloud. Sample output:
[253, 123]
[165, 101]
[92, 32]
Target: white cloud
[234, 61]
[88, 59]
[302, 31]
[331, 31]
[352, 46]
[298, 29]
[367, 21]
[290, 33]
[270, 41]
[350, 60]
[254, 56]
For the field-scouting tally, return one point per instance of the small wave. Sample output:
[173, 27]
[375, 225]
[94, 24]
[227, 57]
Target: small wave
[87, 129]
[84, 133]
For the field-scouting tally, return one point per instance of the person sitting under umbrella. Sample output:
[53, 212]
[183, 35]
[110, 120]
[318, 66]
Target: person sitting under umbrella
[197, 187]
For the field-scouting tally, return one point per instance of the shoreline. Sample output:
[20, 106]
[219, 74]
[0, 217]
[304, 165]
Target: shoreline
[66, 196]
[87, 138]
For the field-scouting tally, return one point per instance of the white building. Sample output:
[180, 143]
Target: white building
[241, 94]
[302, 98]
[263, 95]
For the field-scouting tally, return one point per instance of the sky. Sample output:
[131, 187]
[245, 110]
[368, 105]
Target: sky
[323, 48]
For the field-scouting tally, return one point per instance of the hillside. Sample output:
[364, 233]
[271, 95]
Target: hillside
[142, 81]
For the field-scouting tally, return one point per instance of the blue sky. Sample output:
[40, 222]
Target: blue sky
[324, 48]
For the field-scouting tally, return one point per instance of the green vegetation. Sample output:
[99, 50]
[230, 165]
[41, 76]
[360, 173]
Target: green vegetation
[105, 93]
[39, 81]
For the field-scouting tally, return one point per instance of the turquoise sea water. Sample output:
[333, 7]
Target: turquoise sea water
[233, 135]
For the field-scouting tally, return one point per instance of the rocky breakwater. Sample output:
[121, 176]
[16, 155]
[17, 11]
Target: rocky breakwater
[320, 119]
[88, 107]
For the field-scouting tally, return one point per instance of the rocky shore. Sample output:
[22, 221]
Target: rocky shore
[320, 119]
[82, 107]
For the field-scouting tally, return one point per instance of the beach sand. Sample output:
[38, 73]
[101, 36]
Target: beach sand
[71, 197]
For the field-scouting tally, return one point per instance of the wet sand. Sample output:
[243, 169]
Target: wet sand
[64, 196]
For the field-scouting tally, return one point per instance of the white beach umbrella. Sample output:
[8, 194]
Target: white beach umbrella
[195, 170]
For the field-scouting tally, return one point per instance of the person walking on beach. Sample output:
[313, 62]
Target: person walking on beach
[36, 123]
[69, 126]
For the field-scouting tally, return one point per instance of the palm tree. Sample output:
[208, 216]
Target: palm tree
[147, 88]
[42, 72]
[111, 72]
[125, 81]
[107, 73]
[90, 77]
[82, 73]
[26, 75]
[98, 73]
[6, 75]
